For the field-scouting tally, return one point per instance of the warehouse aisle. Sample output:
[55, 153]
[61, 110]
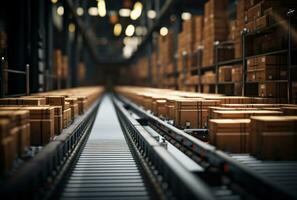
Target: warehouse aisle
[105, 168]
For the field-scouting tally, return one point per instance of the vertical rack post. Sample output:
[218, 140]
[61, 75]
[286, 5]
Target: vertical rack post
[184, 63]
[243, 84]
[199, 68]
[216, 44]
[2, 77]
[27, 79]
[290, 13]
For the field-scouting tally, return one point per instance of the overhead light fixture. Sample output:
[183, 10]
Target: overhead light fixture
[136, 12]
[186, 16]
[130, 30]
[54, 1]
[71, 27]
[93, 11]
[140, 30]
[117, 29]
[79, 11]
[124, 12]
[163, 31]
[127, 51]
[101, 8]
[60, 10]
[151, 14]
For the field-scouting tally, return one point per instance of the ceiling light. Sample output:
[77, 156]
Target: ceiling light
[130, 30]
[151, 14]
[54, 1]
[136, 12]
[117, 29]
[186, 16]
[71, 27]
[163, 31]
[124, 12]
[79, 11]
[138, 30]
[60, 10]
[127, 51]
[101, 8]
[93, 11]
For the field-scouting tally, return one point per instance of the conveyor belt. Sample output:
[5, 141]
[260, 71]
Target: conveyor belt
[105, 168]
[282, 173]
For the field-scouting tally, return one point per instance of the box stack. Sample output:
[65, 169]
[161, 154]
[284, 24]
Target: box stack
[166, 52]
[230, 135]
[3, 53]
[274, 137]
[261, 14]
[237, 79]
[35, 120]
[192, 113]
[58, 63]
[81, 71]
[225, 73]
[140, 71]
[198, 32]
[267, 68]
[154, 64]
[215, 29]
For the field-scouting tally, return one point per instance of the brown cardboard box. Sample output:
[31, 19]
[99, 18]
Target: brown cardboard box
[42, 131]
[7, 154]
[242, 114]
[225, 73]
[273, 89]
[23, 101]
[66, 117]
[231, 135]
[56, 101]
[192, 113]
[274, 137]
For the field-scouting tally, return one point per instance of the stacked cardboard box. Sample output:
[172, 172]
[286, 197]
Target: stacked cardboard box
[140, 71]
[164, 59]
[198, 32]
[267, 68]
[215, 28]
[230, 135]
[186, 41]
[23, 101]
[208, 78]
[7, 147]
[58, 62]
[274, 137]
[81, 71]
[242, 114]
[20, 122]
[41, 122]
[273, 89]
[225, 73]
[192, 113]
[3, 53]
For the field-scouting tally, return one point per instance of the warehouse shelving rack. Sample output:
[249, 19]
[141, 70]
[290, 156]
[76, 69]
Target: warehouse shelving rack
[199, 70]
[25, 73]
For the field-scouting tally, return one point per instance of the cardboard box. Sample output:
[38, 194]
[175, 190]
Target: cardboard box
[230, 135]
[7, 154]
[225, 74]
[42, 131]
[242, 114]
[273, 89]
[274, 137]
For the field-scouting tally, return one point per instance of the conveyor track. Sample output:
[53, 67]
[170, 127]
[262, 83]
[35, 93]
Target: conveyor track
[283, 173]
[105, 167]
